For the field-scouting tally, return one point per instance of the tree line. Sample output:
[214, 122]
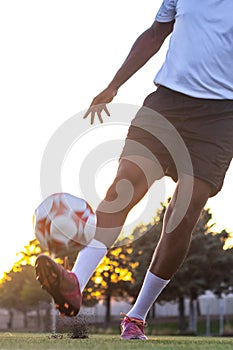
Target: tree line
[208, 266]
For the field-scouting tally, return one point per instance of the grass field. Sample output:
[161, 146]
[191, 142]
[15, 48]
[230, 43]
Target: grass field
[108, 342]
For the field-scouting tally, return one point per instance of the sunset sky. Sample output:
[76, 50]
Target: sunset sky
[55, 57]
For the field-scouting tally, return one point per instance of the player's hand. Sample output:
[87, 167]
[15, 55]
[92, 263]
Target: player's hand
[98, 105]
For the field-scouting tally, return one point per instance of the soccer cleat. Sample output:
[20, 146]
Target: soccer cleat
[132, 328]
[61, 284]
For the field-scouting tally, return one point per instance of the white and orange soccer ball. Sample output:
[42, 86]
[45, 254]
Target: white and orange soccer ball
[63, 221]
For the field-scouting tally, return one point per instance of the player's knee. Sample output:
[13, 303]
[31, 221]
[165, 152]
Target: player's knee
[183, 218]
[192, 208]
[123, 194]
[128, 187]
[199, 199]
[193, 213]
[111, 193]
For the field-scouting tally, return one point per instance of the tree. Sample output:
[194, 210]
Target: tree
[110, 279]
[144, 240]
[121, 272]
[32, 296]
[20, 291]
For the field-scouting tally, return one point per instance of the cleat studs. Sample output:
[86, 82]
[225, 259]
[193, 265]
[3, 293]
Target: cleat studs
[57, 306]
[66, 306]
[72, 313]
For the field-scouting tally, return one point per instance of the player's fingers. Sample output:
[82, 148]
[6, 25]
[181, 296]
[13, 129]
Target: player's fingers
[92, 117]
[106, 111]
[100, 117]
[86, 114]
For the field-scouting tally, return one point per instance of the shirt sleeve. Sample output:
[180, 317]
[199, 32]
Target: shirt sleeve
[167, 11]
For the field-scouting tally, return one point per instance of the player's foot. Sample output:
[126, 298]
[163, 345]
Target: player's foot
[132, 328]
[61, 284]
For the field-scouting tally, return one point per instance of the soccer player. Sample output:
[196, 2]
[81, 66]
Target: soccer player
[193, 104]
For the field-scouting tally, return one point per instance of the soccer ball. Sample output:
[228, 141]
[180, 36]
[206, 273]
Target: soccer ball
[63, 222]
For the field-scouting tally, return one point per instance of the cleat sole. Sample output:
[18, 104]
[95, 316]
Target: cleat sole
[48, 276]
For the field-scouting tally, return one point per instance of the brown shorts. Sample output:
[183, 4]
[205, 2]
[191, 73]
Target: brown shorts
[185, 134]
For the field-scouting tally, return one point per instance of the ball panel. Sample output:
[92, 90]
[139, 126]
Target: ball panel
[74, 203]
[42, 239]
[90, 228]
[86, 214]
[44, 208]
[63, 228]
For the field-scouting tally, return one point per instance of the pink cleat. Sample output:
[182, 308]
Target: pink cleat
[132, 328]
[61, 284]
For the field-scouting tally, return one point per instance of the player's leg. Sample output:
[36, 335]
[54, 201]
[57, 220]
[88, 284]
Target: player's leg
[211, 150]
[131, 183]
[133, 179]
[173, 245]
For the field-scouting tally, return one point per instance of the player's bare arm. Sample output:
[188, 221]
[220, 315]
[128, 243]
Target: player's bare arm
[146, 46]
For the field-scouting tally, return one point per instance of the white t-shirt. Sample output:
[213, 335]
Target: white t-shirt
[199, 60]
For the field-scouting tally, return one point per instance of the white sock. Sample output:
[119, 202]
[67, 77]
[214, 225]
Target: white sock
[151, 288]
[87, 261]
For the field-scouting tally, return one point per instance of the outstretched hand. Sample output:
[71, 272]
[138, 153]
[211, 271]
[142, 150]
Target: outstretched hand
[98, 105]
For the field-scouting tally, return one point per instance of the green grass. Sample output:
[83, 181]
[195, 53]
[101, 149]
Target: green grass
[110, 342]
